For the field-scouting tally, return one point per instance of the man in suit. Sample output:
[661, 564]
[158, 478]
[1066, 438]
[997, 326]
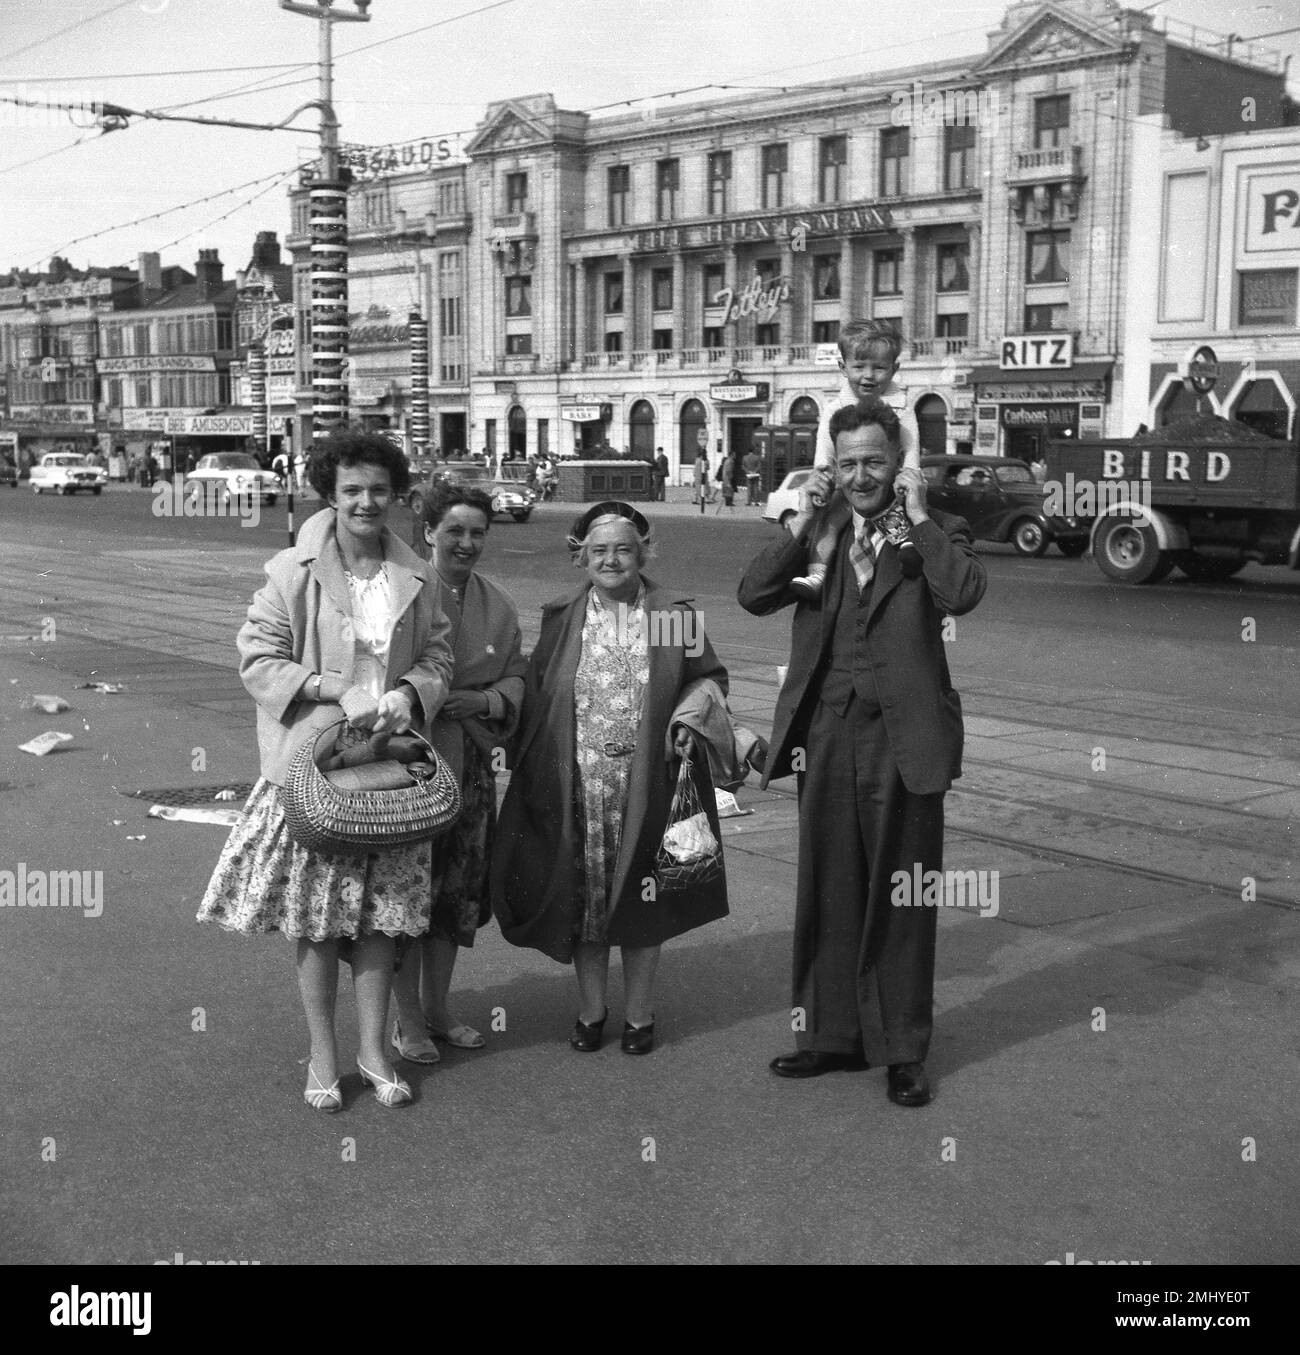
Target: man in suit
[868, 719]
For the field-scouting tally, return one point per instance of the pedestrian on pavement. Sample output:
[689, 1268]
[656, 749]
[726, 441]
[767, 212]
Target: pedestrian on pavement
[596, 761]
[752, 464]
[349, 623]
[868, 718]
[300, 470]
[727, 477]
[661, 475]
[475, 721]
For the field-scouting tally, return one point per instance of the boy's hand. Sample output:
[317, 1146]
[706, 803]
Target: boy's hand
[910, 483]
[816, 491]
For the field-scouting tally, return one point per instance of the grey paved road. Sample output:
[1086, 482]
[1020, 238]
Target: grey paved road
[1162, 1137]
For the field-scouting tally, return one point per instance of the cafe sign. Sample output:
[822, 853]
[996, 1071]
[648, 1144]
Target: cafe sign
[158, 362]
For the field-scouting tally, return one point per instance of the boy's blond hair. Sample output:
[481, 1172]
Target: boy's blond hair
[858, 334]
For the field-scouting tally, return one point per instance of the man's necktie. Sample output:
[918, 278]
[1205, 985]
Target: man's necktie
[863, 556]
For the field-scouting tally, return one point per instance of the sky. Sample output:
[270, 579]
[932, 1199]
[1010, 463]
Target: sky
[61, 181]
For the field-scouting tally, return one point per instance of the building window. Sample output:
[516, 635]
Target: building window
[114, 338]
[1041, 319]
[449, 317]
[516, 193]
[712, 336]
[776, 161]
[888, 272]
[661, 340]
[302, 217]
[958, 156]
[613, 293]
[519, 296]
[143, 394]
[451, 200]
[667, 181]
[713, 284]
[374, 208]
[719, 183]
[225, 333]
[833, 157]
[113, 393]
[951, 326]
[952, 273]
[141, 340]
[661, 289]
[614, 341]
[1051, 121]
[825, 331]
[767, 336]
[826, 277]
[518, 344]
[768, 271]
[894, 146]
[619, 180]
[1267, 297]
[1047, 258]
[451, 373]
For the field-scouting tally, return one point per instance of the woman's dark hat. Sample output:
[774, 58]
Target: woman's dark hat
[581, 528]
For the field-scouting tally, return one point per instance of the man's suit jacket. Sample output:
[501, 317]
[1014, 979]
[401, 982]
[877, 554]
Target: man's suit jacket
[905, 648]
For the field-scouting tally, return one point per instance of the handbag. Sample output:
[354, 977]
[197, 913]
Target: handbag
[689, 854]
[366, 807]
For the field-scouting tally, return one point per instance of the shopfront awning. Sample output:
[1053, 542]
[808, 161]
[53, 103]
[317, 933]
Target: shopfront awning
[1080, 372]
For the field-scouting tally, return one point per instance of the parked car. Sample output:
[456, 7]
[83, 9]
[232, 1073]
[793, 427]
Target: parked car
[66, 473]
[508, 495]
[232, 475]
[1002, 501]
[783, 502]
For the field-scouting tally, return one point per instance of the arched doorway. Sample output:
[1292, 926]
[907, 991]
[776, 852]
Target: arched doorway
[693, 434]
[1262, 407]
[804, 410]
[932, 424]
[516, 433]
[641, 423]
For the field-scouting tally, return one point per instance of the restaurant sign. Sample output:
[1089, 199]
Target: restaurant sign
[739, 392]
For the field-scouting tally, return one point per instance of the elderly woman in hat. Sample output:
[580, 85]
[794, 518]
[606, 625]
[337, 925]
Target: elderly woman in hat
[596, 761]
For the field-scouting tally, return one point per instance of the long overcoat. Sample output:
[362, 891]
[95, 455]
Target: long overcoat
[535, 873]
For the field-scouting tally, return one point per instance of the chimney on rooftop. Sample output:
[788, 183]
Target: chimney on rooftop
[266, 250]
[208, 274]
[149, 270]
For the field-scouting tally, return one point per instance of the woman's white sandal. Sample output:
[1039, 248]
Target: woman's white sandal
[320, 1097]
[418, 1051]
[459, 1037]
[393, 1094]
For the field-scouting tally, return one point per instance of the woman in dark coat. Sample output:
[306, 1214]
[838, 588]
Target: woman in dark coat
[596, 762]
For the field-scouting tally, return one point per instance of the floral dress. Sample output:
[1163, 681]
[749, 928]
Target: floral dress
[608, 692]
[266, 882]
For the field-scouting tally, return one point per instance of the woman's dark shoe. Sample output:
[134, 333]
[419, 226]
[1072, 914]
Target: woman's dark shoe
[638, 1039]
[586, 1039]
[908, 1084]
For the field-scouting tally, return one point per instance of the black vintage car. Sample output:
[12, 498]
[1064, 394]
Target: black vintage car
[1002, 501]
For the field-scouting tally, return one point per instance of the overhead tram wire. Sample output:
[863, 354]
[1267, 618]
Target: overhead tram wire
[58, 33]
[238, 207]
[146, 75]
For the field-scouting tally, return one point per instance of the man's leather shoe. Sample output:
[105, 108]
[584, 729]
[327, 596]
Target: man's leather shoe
[908, 1084]
[811, 1063]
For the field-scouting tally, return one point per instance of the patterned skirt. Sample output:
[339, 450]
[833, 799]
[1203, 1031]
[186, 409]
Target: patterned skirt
[266, 882]
[461, 899]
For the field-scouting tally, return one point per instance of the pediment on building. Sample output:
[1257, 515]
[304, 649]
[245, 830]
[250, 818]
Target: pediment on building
[509, 128]
[1050, 34]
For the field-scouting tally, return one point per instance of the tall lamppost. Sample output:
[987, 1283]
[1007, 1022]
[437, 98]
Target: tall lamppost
[328, 198]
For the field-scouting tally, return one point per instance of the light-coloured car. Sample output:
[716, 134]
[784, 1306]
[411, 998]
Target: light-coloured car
[507, 494]
[230, 476]
[783, 502]
[66, 473]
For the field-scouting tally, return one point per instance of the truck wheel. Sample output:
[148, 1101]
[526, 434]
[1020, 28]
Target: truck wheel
[1210, 568]
[1128, 552]
[1028, 537]
[1072, 549]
